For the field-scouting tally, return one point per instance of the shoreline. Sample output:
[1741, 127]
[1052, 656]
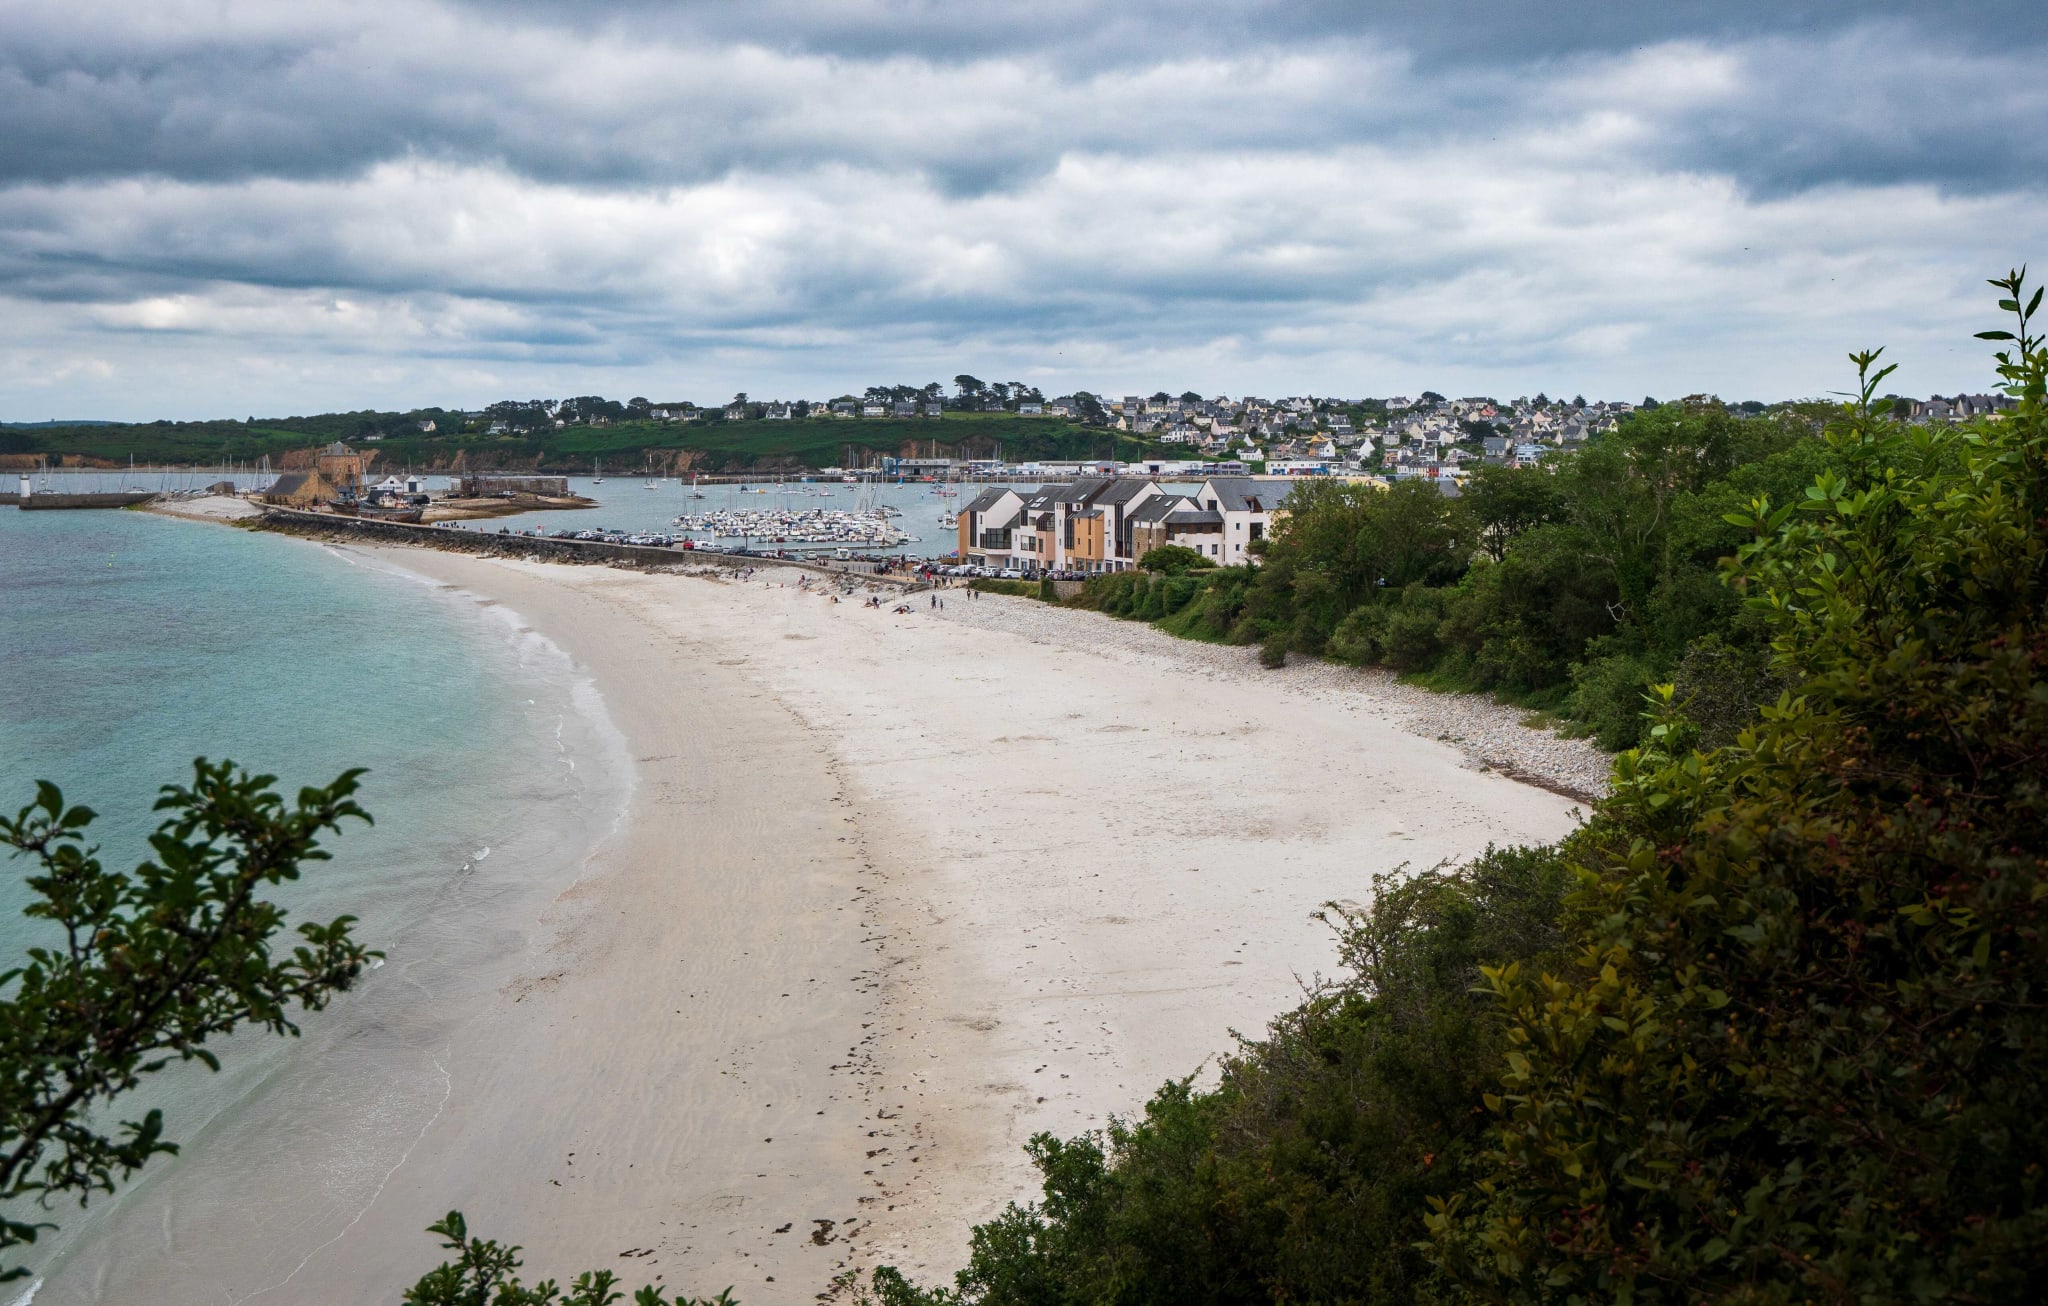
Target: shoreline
[894, 892]
[1492, 734]
[1019, 957]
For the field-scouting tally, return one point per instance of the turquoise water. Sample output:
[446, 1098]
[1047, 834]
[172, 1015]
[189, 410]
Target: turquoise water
[131, 643]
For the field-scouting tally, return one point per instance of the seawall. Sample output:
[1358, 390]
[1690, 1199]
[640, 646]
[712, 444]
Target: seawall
[116, 499]
[326, 526]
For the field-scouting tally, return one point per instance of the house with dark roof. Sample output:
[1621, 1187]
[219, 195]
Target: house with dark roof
[988, 525]
[1090, 522]
[1247, 507]
[1176, 519]
[1033, 535]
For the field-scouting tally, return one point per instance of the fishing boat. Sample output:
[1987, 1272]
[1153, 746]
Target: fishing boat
[398, 512]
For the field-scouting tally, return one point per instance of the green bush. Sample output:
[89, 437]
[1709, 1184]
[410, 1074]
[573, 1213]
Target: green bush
[1273, 649]
[1409, 640]
[1768, 1028]
[1796, 1049]
[1174, 559]
[1360, 638]
[1022, 589]
[1609, 694]
[1720, 685]
[1304, 1174]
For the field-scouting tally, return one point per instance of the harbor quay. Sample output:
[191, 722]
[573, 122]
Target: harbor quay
[901, 573]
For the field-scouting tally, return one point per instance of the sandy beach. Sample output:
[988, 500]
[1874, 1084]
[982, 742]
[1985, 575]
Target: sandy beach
[893, 894]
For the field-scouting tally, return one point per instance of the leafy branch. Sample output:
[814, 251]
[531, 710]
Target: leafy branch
[154, 964]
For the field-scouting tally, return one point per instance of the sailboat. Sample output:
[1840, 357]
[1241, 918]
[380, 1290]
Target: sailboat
[695, 493]
[596, 472]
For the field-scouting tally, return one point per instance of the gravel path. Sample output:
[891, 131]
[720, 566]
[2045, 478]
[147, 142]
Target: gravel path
[1491, 735]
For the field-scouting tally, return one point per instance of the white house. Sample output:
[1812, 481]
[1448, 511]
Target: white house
[1247, 506]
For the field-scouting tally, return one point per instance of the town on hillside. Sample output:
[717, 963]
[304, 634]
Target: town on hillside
[1428, 435]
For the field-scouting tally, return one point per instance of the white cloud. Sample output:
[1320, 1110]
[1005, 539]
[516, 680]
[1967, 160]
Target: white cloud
[479, 206]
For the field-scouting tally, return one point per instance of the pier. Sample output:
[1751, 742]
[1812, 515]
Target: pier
[541, 548]
[27, 498]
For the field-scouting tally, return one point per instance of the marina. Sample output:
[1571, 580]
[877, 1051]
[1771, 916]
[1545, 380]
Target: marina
[866, 528]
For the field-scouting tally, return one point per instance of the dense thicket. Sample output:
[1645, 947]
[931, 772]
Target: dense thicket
[1569, 587]
[1769, 1028]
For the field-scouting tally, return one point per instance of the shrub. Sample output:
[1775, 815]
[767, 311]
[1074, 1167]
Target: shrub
[1022, 589]
[1795, 1050]
[1720, 685]
[1410, 640]
[1360, 638]
[1303, 1175]
[1608, 695]
[1174, 559]
[1273, 650]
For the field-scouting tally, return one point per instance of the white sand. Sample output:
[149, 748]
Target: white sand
[211, 507]
[896, 893]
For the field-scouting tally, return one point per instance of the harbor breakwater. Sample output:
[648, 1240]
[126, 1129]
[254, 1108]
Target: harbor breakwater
[537, 548]
[115, 499]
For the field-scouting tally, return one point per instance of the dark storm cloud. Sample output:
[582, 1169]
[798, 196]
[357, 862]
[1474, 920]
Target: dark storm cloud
[785, 187]
[979, 97]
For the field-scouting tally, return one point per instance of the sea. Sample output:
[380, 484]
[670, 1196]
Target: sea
[131, 644]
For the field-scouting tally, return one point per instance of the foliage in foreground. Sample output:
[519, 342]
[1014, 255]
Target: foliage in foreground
[151, 966]
[482, 1274]
[1769, 1028]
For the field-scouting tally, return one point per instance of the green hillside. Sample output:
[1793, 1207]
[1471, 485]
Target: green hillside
[710, 445]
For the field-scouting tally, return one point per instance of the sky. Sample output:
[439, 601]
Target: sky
[222, 208]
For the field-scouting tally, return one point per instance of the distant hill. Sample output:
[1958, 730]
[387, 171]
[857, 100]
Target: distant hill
[626, 447]
[37, 426]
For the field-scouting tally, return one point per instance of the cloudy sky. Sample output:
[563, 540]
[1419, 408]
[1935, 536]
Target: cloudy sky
[226, 207]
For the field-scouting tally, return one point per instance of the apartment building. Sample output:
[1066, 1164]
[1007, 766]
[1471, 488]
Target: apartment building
[1099, 523]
